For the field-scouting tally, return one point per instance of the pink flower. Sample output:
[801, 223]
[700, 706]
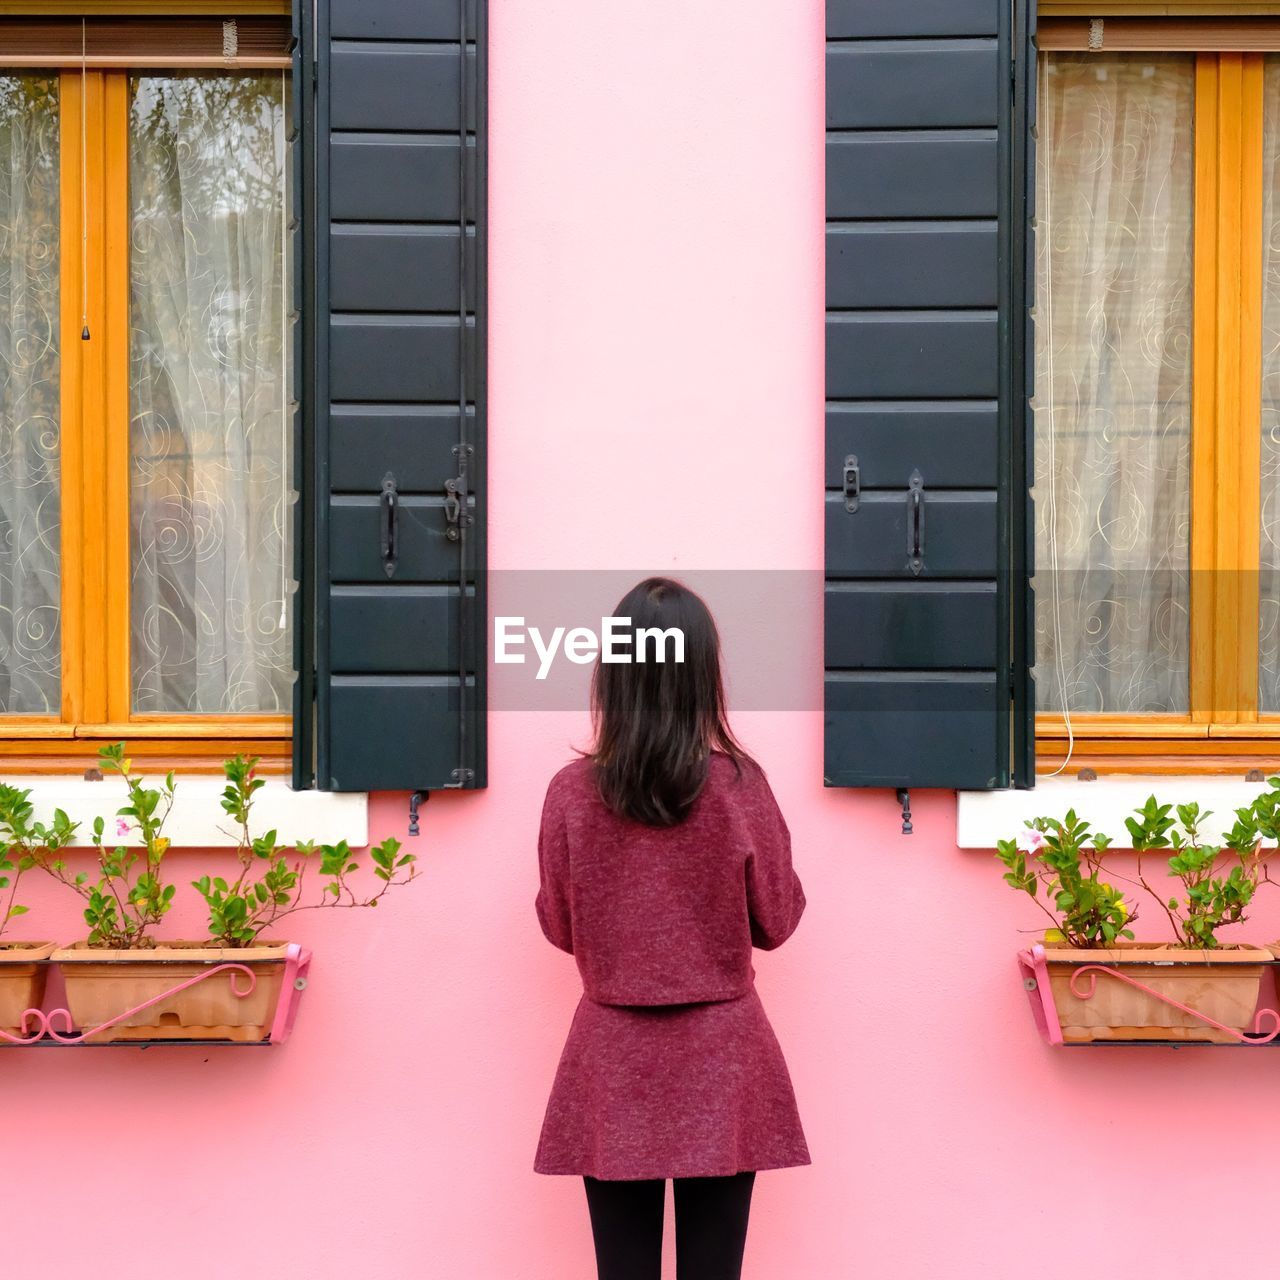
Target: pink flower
[1030, 840]
[122, 827]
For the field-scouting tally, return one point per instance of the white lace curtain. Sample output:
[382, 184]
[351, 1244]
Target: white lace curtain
[1269, 583]
[30, 596]
[208, 386]
[1113, 383]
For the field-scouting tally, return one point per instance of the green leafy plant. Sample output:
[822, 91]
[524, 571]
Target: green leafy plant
[129, 897]
[1218, 882]
[272, 882]
[1062, 858]
[24, 842]
[1264, 812]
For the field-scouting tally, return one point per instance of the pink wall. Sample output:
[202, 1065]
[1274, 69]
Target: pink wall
[657, 296]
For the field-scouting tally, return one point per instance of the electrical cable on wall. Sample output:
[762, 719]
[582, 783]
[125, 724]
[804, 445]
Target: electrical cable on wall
[1044, 227]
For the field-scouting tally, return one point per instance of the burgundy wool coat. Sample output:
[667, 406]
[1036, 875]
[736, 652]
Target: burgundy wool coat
[671, 1069]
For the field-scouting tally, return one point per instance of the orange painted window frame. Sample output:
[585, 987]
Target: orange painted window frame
[97, 696]
[1223, 731]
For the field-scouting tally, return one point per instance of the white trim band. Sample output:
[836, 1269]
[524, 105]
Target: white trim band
[983, 817]
[197, 820]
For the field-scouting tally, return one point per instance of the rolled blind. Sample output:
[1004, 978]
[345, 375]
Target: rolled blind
[121, 41]
[1160, 35]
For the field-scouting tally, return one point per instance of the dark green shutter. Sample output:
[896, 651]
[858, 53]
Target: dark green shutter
[392, 455]
[928, 373]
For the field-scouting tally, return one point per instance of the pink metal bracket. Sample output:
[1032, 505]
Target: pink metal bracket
[1035, 975]
[1035, 981]
[297, 964]
[36, 1025]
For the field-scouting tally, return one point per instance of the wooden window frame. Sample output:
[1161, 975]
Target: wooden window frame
[97, 692]
[1223, 731]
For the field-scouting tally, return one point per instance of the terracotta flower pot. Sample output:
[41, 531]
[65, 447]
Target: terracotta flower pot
[102, 985]
[1222, 984]
[21, 981]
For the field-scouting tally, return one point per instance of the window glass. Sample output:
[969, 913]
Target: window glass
[30, 411]
[209, 392]
[1113, 383]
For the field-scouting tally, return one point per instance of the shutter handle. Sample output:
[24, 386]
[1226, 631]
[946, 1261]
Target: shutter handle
[389, 524]
[852, 483]
[915, 523]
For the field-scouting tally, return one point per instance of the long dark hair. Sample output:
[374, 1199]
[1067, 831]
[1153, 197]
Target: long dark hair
[657, 723]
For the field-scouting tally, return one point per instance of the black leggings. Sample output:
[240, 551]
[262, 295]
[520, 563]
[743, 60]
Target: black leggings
[711, 1227]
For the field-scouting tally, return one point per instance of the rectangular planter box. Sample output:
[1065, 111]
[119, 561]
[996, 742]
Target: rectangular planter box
[102, 985]
[22, 981]
[1092, 1005]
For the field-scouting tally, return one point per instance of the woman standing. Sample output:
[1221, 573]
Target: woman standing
[664, 859]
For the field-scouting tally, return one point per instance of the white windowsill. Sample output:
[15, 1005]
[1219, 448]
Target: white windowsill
[983, 817]
[197, 820]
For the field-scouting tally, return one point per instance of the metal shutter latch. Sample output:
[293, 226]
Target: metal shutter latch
[852, 483]
[456, 515]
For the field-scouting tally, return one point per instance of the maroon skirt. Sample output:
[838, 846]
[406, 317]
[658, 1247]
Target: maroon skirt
[671, 1091]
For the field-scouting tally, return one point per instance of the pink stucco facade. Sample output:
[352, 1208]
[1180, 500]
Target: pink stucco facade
[656, 290]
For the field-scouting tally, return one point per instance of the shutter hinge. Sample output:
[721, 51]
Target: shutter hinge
[416, 799]
[904, 799]
[456, 515]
